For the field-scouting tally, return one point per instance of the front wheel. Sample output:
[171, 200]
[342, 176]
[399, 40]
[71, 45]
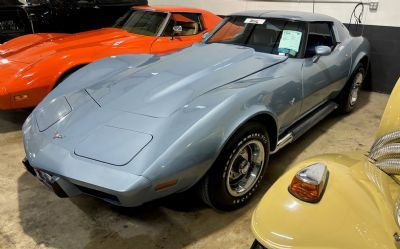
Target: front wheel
[349, 96]
[238, 170]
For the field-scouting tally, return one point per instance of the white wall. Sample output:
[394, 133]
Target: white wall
[387, 14]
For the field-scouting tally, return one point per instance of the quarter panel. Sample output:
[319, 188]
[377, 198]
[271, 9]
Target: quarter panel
[360, 48]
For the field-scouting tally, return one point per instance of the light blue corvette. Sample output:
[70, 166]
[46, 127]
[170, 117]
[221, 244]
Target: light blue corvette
[130, 129]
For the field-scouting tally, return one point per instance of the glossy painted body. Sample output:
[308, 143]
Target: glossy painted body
[129, 123]
[31, 65]
[357, 210]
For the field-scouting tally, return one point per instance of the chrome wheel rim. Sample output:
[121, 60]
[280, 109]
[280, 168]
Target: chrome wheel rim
[245, 168]
[358, 79]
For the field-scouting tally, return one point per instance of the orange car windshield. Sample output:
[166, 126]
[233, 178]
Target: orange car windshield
[142, 22]
[273, 36]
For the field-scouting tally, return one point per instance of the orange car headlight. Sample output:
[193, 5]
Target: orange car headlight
[309, 183]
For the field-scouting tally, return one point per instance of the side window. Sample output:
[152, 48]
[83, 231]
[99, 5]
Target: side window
[319, 33]
[191, 24]
[273, 36]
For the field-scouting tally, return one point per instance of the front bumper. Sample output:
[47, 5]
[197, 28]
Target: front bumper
[64, 187]
[52, 183]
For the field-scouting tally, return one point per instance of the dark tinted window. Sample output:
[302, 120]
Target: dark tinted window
[320, 34]
[142, 22]
[274, 36]
[13, 20]
[320, 28]
[190, 22]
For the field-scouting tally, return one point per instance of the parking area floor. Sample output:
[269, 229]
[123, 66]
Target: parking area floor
[33, 217]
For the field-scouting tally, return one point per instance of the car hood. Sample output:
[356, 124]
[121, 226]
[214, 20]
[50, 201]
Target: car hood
[32, 48]
[120, 105]
[163, 84]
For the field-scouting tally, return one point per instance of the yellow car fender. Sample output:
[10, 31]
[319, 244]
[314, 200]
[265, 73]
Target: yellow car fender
[357, 209]
[391, 117]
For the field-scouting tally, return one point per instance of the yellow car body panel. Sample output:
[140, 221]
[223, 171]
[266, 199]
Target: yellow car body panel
[357, 209]
[391, 117]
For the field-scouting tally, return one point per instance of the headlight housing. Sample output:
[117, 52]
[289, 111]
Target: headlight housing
[309, 183]
[52, 112]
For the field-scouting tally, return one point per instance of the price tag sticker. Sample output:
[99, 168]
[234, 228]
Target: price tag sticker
[290, 40]
[254, 21]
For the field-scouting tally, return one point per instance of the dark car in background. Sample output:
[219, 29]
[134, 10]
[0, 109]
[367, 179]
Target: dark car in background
[19, 17]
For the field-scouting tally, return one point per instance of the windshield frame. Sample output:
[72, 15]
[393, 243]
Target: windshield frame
[303, 44]
[159, 31]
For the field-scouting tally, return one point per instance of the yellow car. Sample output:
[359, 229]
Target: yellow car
[338, 200]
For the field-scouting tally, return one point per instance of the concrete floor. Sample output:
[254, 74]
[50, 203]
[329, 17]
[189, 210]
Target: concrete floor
[33, 217]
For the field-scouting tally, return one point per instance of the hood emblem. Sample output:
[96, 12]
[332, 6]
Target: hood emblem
[57, 135]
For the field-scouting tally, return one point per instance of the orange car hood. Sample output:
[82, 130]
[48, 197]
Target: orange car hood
[32, 48]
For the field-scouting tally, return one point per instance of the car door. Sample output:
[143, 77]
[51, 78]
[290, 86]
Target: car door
[192, 31]
[323, 76]
[285, 38]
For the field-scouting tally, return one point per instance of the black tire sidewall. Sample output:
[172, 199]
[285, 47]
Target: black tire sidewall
[344, 104]
[218, 193]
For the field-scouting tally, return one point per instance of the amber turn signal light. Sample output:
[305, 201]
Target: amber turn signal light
[167, 184]
[21, 97]
[309, 183]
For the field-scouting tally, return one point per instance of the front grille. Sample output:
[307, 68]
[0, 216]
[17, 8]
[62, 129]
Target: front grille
[99, 194]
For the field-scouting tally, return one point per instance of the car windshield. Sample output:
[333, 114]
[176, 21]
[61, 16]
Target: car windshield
[142, 22]
[273, 36]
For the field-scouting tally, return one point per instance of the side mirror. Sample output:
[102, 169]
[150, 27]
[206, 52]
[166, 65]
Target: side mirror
[321, 51]
[205, 35]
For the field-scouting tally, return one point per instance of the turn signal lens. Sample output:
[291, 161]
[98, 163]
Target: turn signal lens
[167, 184]
[309, 183]
[21, 97]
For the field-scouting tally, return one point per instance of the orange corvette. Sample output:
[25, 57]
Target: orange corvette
[32, 65]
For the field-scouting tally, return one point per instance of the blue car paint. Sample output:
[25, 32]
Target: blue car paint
[190, 103]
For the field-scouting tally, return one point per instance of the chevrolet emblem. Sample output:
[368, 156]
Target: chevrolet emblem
[57, 135]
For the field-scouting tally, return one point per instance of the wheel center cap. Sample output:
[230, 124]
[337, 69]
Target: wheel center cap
[244, 167]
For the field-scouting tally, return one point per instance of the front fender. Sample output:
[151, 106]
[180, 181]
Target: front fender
[356, 210]
[45, 73]
[194, 136]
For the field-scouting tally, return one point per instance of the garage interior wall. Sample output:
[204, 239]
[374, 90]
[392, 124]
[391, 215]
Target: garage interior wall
[380, 26]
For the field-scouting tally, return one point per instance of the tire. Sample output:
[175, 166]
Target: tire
[221, 186]
[348, 98]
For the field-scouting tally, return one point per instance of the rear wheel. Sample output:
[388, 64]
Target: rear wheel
[349, 96]
[237, 172]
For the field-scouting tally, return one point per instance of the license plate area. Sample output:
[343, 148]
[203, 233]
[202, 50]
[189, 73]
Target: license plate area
[45, 178]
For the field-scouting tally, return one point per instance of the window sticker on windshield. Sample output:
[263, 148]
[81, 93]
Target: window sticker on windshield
[290, 42]
[254, 21]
